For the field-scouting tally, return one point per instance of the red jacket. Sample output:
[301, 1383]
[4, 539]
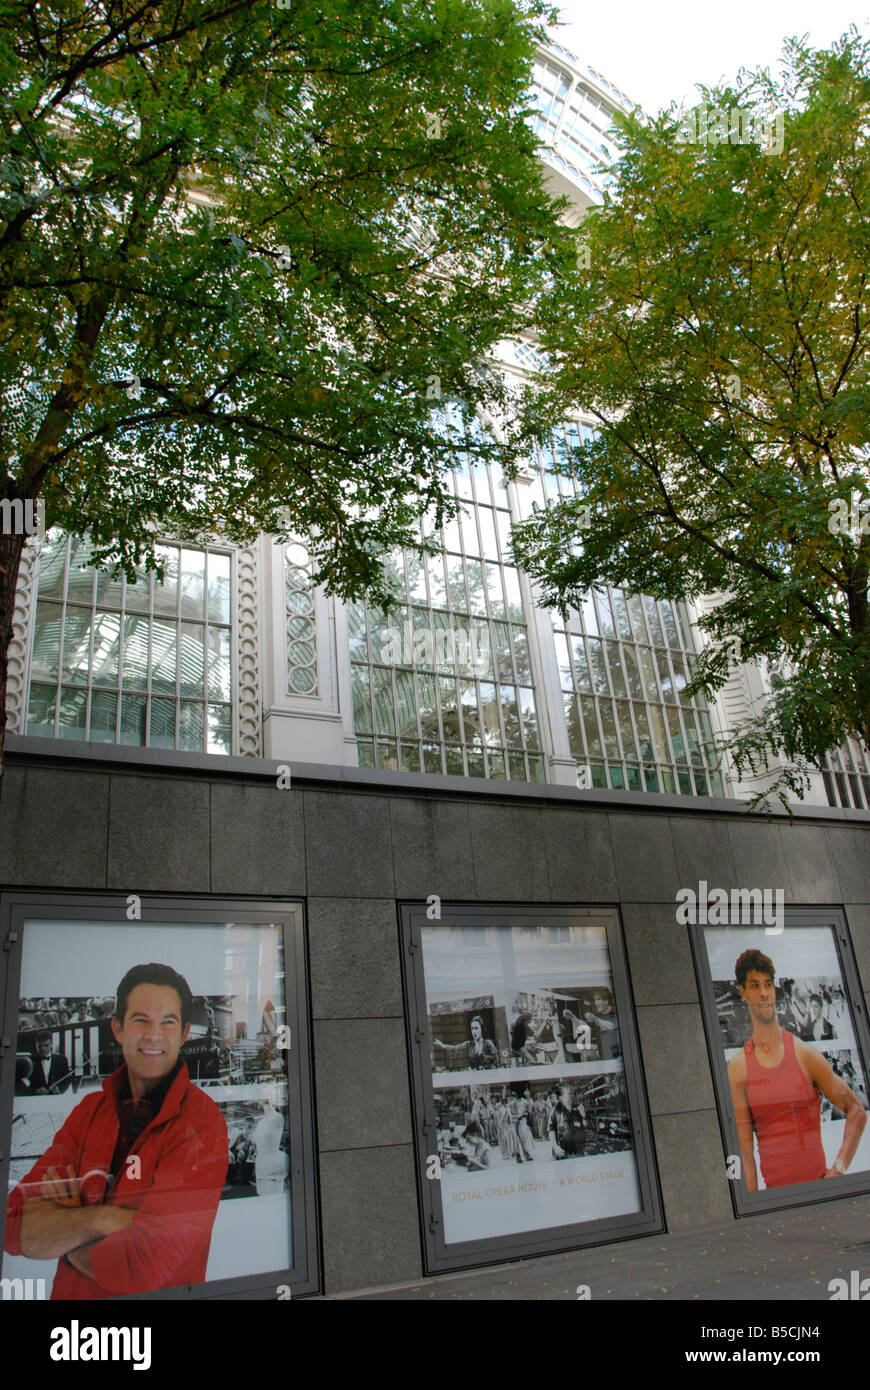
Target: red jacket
[184, 1158]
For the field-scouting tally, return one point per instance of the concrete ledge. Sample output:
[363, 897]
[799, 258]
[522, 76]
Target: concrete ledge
[163, 762]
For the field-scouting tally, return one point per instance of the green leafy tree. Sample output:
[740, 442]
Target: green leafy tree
[715, 324]
[245, 251]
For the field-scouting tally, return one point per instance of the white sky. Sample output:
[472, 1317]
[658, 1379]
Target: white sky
[656, 50]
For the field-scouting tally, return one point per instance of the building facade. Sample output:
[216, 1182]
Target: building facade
[428, 876]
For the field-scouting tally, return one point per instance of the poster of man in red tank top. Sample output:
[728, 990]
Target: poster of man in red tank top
[777, 1081]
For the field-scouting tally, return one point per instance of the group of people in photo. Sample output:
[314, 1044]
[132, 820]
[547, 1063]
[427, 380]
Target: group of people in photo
[524, 1122]
[543, 1028]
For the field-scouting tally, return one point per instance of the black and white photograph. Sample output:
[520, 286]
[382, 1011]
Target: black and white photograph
[468, 1033]
[512, 1152]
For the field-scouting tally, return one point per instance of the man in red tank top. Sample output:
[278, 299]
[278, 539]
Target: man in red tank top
[776, 1085]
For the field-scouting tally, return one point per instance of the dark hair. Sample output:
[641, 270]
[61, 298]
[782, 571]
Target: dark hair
[43, 1035]
[471, 1129]
[815, 999]
[477, 1019]
[154, 974]
[753, 960]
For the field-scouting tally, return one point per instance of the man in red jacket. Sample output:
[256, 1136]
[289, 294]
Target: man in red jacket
[127, 1193]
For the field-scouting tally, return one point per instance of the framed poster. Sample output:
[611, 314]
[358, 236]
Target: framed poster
[527, 1083]
[159, 1095]
[787, 1031]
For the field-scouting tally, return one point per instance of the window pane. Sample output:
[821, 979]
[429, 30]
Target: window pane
[162, 728]
[137, 598]
[407, 706]
[512, 589]
[219, 674]
[572, 719]
[192, 584]
[46, 641]
[581, 665]
[449, 709]
[218, 588]
[71, 714]
[192, 660]
[135, 658]
[476, 586]
[522, 659]
[132, 719]
[220, 736]
[625, 729]
[52, 564]
[110, 589]
[590, 725]
[511, 716]
[496, 597]
[489, 707]
[163, 656]
[104, 709]
[616, 676]
[362, 709]
[597, 667]
[166, 593]
[530, 717]
[385, 717]
[470, 716]
[76, 646]
[190, 727]
[107, 647]
[40, 713]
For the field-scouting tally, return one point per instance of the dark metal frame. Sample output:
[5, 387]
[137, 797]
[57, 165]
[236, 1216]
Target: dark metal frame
[18, 905]
[799, 1194]
[438, 1256]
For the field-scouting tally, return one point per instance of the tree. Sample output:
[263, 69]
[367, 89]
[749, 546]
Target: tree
[245, 249]
[720, 338]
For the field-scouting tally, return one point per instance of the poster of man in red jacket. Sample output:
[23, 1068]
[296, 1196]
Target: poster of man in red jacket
[126, 1195]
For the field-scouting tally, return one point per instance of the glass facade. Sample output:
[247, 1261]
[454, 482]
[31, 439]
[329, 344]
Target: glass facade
[145, 663]
[445, 682]
[846, 774]
[624, 662]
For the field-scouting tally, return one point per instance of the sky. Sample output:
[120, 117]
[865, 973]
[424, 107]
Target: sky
[656, 50]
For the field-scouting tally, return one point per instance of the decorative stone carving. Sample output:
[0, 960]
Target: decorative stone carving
[248, 643]
[301, 622]
[25, 600]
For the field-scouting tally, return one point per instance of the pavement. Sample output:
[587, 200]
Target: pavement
[788, 1256]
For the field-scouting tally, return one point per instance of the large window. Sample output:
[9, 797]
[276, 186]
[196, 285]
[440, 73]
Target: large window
[846, 774]
[526, 1083]
[624, 662]
[445, 683]
[145, 663]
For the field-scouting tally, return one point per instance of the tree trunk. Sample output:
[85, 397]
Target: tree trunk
[11, 547]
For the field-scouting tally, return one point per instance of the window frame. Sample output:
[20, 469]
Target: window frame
[18, 905]
[796, 1194]
[438, 1256]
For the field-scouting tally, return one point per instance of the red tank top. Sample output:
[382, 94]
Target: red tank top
[785, 1112]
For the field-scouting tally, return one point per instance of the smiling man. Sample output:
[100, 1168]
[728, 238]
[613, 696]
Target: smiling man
[776, 1085]
[127, 1193]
